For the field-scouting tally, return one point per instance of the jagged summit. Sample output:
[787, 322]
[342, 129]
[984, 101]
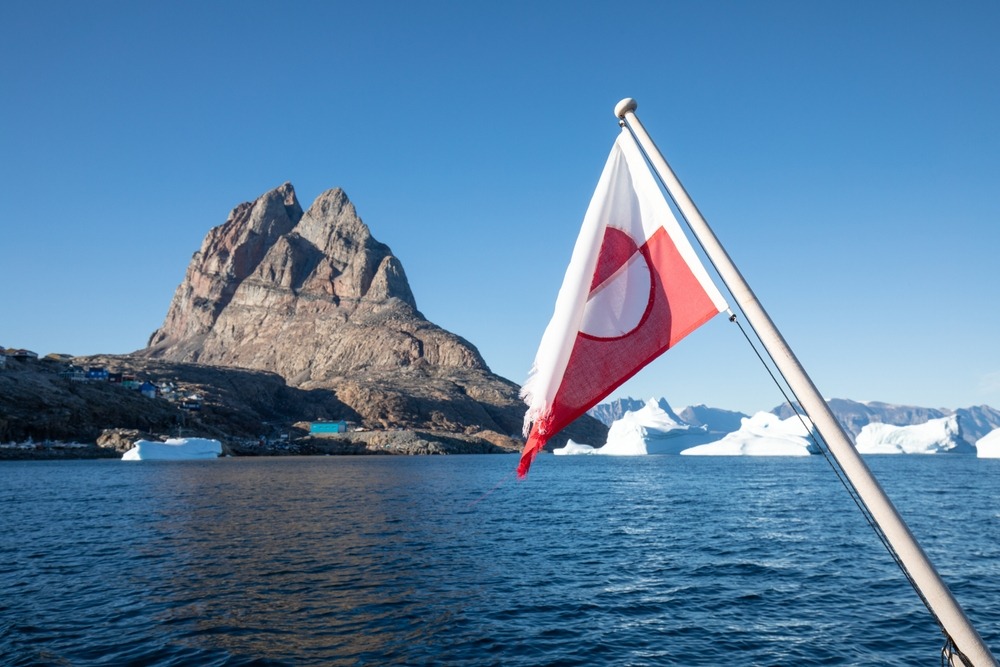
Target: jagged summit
[309, 296]
[228, 255]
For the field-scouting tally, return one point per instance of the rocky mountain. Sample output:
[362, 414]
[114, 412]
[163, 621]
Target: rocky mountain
[310, 296]
[313, 297]
[287, 316]
[978, 420]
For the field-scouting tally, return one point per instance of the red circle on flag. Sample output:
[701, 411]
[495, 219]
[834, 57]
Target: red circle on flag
[621, 290]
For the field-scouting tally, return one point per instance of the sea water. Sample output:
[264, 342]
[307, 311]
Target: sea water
[657, 560]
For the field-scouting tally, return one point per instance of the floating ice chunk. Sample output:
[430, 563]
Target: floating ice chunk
[174, 449]
[626, 437]
[650, 430]
[988, 446]
[574, 448]
[763, 434]
[931, 437]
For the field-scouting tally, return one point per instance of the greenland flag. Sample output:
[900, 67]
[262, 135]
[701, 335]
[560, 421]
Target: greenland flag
[633, 288]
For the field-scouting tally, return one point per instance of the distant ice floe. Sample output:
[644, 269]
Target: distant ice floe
[988, 446]
[932, 437]
[174, 449]
[763, 434]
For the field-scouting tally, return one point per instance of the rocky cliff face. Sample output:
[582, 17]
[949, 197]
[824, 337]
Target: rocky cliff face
[309, 296]
[314, 298]
[229, 255]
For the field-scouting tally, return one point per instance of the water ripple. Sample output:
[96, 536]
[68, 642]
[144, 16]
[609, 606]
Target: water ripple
[413, 561]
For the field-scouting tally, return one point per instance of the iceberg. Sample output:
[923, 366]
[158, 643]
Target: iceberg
[932, 437]
[572, 448]
[648, 430]
[763, 434]
[988, 446]
[174, 449]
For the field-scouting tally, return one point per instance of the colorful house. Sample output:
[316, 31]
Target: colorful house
[73, 373]
[97, 374]
[322, 428]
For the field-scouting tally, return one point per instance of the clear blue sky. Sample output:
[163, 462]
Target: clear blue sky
[846, 153]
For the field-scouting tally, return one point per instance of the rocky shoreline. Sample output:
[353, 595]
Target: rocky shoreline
[55, 451]
[393, 443]
[252, 413]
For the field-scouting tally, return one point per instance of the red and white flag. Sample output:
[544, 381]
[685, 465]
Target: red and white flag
[633, 288]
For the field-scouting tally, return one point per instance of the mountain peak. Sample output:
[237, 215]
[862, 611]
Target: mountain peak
[308, 295]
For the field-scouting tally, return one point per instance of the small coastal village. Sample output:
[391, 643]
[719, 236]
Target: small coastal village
[186, 398]
[57, 406]
[67, 370]
[145, 386]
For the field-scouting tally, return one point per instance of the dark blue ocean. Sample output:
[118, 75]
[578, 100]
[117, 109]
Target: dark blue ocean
[451, 561]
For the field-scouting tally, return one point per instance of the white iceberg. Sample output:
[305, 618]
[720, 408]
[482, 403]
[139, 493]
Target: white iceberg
[174, 449]
[988, 446]
[763, 434]
[932, 437]
[648, 430]
[573, 448]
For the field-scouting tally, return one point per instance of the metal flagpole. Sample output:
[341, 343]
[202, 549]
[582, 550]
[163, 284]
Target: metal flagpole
[936, 595]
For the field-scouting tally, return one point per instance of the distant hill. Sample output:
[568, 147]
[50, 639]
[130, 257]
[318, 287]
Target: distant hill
[974, 422]
[978, 421]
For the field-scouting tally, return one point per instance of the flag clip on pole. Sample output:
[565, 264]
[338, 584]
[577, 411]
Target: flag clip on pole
[918, 567]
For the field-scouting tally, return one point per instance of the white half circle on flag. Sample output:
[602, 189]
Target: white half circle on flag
[617, 306]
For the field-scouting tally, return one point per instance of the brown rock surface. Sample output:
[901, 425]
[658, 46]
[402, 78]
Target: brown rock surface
[308, 296]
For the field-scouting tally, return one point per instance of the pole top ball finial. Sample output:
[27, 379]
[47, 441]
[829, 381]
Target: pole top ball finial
[626, 105]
